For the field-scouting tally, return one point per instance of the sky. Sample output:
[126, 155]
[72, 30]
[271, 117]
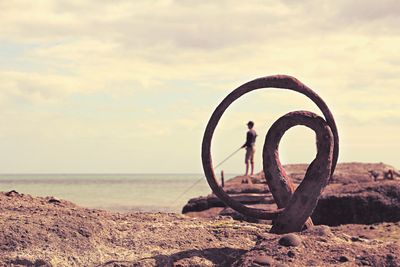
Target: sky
[129, 86]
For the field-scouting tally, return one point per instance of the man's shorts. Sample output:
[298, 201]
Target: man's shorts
[249, 154]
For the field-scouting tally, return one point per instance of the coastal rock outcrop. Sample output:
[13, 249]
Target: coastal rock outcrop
[362, 203]
[353, 196]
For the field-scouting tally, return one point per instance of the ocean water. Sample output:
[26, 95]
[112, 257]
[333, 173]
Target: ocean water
[114, 192]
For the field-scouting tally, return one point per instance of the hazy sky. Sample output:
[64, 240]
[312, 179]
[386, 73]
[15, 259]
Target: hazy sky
[128, 86]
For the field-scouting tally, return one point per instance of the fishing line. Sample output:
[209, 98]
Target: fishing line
[201, 178]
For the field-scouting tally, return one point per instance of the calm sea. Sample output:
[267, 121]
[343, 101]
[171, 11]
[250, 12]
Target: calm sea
[115, 192]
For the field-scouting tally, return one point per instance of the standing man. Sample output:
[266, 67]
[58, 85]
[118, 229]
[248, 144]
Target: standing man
[250, 147]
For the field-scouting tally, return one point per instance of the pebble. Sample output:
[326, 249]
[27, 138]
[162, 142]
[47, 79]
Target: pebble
[264, 260]
[320, 230]
[344, 258]
[290, 240]
[365, 263]
[12, 193]
[41, 263]
[53, 200]
[312, 263]
[323, 230]
[390, 256]
[361, 238]
[291, 254]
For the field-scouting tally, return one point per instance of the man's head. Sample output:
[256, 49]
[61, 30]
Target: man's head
[250, 124]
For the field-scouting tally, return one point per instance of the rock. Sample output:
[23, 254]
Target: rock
[236, 216]
[390, 256]
[365, 263]
[291, 254]
[204, 203]
[352, 197]
[12, 193]
[26, 262]
[21, 261]
[264, 260]
[41, 263]
[290, 240]
[391, 260]
[312, 263]
[343, 258]
[193, 261]
[84, 232]
[165, 239]
[363, 203]
[53, 200]
[320, 230]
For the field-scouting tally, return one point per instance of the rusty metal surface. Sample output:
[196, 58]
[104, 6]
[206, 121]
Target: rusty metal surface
[294, 206]
[298, 204]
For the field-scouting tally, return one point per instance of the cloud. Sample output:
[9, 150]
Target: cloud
[140, 71]
[34, 86]
[366, 11]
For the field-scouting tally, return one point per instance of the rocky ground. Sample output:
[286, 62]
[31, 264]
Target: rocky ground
[50, 232]
[37, 231]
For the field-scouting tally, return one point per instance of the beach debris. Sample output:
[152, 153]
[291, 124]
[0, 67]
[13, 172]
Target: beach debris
[294, 206]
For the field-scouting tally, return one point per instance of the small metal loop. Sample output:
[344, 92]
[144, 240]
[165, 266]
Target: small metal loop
[298, 204]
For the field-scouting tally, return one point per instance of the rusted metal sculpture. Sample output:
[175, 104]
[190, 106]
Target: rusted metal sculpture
[294, 206]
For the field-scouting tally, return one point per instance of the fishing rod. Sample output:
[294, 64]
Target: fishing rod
[201, 178]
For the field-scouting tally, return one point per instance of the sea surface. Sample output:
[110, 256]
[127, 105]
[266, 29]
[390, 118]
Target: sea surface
[114, 192]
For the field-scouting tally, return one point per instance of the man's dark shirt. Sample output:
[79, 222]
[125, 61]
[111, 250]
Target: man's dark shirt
[250, 138]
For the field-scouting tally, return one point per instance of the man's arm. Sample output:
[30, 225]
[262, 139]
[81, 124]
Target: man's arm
[248, 140]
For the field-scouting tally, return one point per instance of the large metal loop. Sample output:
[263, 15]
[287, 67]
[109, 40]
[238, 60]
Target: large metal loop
[294, 207]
